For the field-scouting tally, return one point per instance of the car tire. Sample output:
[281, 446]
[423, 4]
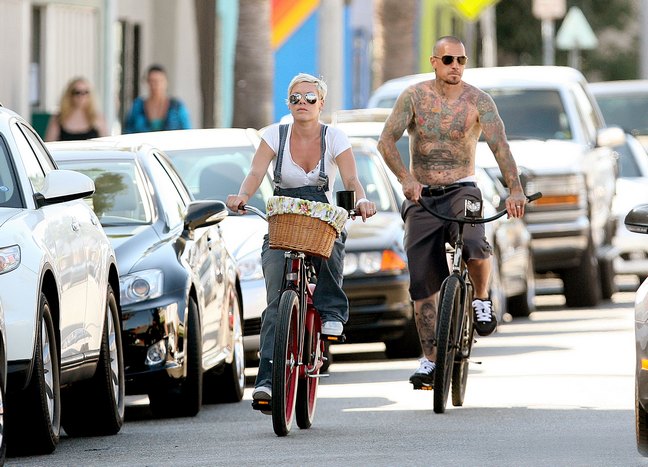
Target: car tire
[184, 399]
[641, 425]
[96, 407]
[581, 284]
[406, 346]
[607, 275]
[227, 384]
[521, 306]
[34, 415]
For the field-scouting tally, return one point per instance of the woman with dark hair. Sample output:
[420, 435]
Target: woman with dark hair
[158, 111]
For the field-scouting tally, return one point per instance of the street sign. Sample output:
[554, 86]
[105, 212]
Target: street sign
[471, 9]
[575, 32]
[549, 9]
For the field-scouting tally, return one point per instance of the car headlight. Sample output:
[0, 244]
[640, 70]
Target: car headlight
[371, 262]
[558, 192]
[250, 266]
[142, 285]
[9, 258]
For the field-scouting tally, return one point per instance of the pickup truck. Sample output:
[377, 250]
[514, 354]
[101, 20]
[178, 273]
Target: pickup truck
[563, 149]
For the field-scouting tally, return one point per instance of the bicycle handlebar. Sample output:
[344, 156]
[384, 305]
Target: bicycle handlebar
[476, 220]
[257, 211]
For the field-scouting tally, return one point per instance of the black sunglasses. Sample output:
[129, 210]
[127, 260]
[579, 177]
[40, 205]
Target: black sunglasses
[448, 59]
[309, 97]
[78, 92]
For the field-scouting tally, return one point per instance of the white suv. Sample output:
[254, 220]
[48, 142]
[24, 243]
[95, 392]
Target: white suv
[58, 284]
[559, 140]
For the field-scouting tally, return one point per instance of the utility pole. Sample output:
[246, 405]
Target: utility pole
[547, 11]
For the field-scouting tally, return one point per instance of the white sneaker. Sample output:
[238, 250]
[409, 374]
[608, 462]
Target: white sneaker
[262, 393]
[332, 328]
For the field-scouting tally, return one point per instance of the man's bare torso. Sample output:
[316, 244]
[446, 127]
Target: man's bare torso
[443, 134]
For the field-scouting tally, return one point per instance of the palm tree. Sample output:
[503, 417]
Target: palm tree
[394, 39]
[254, 66]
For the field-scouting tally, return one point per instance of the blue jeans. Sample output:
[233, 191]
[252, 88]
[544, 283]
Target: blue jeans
[329, 298]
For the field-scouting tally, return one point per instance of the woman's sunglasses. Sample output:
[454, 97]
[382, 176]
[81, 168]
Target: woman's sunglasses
[309, 97]
[80, 92]
[448, 59]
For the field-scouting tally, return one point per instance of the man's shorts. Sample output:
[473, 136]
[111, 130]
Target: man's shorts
[426, 237]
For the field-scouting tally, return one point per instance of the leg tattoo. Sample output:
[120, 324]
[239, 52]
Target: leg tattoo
[425, 313]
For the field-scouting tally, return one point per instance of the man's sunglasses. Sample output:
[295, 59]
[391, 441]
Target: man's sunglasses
[448, 59]
[309, 97]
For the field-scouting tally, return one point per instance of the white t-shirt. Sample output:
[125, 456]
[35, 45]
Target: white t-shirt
[292, 174]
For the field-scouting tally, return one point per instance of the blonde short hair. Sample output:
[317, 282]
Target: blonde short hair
[306, 78]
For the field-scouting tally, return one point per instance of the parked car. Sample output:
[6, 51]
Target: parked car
[513, 279]
[58, 288]
[3, 386]
[637, 221]
[630, 191]
[558, 135]
[213, 163]
[180, 292]
[624, 103]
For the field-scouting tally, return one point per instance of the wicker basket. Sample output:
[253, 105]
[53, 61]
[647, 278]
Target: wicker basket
[301, 233]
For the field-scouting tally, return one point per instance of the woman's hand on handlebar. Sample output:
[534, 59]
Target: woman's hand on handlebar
[515, 204]
[235, 203]
[364, 208]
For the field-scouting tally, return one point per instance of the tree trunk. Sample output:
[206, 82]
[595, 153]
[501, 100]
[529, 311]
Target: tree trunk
[206, 25]
[395, 51]
[254, 66]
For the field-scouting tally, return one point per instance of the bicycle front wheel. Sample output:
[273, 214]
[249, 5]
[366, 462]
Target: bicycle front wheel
[285, 369]
[449, 303]
[460, 369]
[309, 376]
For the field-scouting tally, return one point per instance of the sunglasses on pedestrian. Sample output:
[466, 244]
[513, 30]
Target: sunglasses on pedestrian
[448, 59]
[296, 97]
[80, 92]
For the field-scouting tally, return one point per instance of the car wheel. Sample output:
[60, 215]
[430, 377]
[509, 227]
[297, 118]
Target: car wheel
[523, 305]
[607, 275]
[641, 425]
[96, 407]
[581, 284]
[184, 399]
[228, 386]
[406, 346]
[34, 415]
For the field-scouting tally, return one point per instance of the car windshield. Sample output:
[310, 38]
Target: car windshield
[628, 167]
[214, 173]
[629, 111]
[9, 196]
[371, 178]
[119, 191]
[532, 113]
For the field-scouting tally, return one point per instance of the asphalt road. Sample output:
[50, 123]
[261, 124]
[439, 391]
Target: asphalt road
[556, 389]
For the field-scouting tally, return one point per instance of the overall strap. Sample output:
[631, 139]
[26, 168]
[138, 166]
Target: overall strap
[283, 134]
[322, 182]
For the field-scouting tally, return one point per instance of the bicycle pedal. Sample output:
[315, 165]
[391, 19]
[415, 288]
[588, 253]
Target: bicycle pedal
[423, 387]
[334, 339]
[262, 405]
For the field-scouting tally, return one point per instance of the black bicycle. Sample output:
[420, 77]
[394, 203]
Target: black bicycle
[455, 327]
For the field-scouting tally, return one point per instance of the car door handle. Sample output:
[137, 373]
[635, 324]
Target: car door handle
[76, 226]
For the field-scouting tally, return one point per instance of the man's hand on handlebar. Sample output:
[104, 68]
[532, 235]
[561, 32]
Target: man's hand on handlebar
[515, 204]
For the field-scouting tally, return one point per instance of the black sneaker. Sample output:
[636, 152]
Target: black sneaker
[424, 376]
[485, 321]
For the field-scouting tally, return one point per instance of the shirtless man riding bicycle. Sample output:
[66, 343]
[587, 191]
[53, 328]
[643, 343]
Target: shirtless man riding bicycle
[444, 118]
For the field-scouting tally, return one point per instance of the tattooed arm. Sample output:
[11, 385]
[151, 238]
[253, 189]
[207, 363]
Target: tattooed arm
[493, 128]
[397, 122]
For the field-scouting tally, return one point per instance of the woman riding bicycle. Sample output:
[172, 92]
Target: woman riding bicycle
[445, 117]
[306, 156]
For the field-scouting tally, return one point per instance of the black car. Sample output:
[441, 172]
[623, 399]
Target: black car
[376, 278]
[180, 291]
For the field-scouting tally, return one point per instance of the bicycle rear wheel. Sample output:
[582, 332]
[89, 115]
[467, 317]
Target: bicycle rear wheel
[460, 368]
[285, 369]
[450, 300]
[309, 375]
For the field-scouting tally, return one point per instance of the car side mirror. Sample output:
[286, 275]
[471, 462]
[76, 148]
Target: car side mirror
[610, 137]
[64, 185]
[204, 213]
[637, 219]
